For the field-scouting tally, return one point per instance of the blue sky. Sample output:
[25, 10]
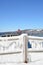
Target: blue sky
[21, 14]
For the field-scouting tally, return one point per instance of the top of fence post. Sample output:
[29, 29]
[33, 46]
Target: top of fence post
[22, 35]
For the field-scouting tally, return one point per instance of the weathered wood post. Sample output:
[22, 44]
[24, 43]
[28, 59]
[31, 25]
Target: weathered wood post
[24, 40]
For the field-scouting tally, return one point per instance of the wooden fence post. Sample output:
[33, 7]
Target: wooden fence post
[24, 38]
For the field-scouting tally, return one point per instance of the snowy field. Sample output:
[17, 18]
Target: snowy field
[17, 59]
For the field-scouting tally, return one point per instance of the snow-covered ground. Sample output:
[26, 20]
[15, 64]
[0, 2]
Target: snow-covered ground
[17, 59]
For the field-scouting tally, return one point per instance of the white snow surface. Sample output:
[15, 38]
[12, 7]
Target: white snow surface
[17, 59]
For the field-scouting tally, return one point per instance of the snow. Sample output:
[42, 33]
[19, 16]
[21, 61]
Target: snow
[34, 58]
[20, 63]
[17, 59]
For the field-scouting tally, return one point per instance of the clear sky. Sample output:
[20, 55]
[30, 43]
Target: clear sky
[21, 14]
